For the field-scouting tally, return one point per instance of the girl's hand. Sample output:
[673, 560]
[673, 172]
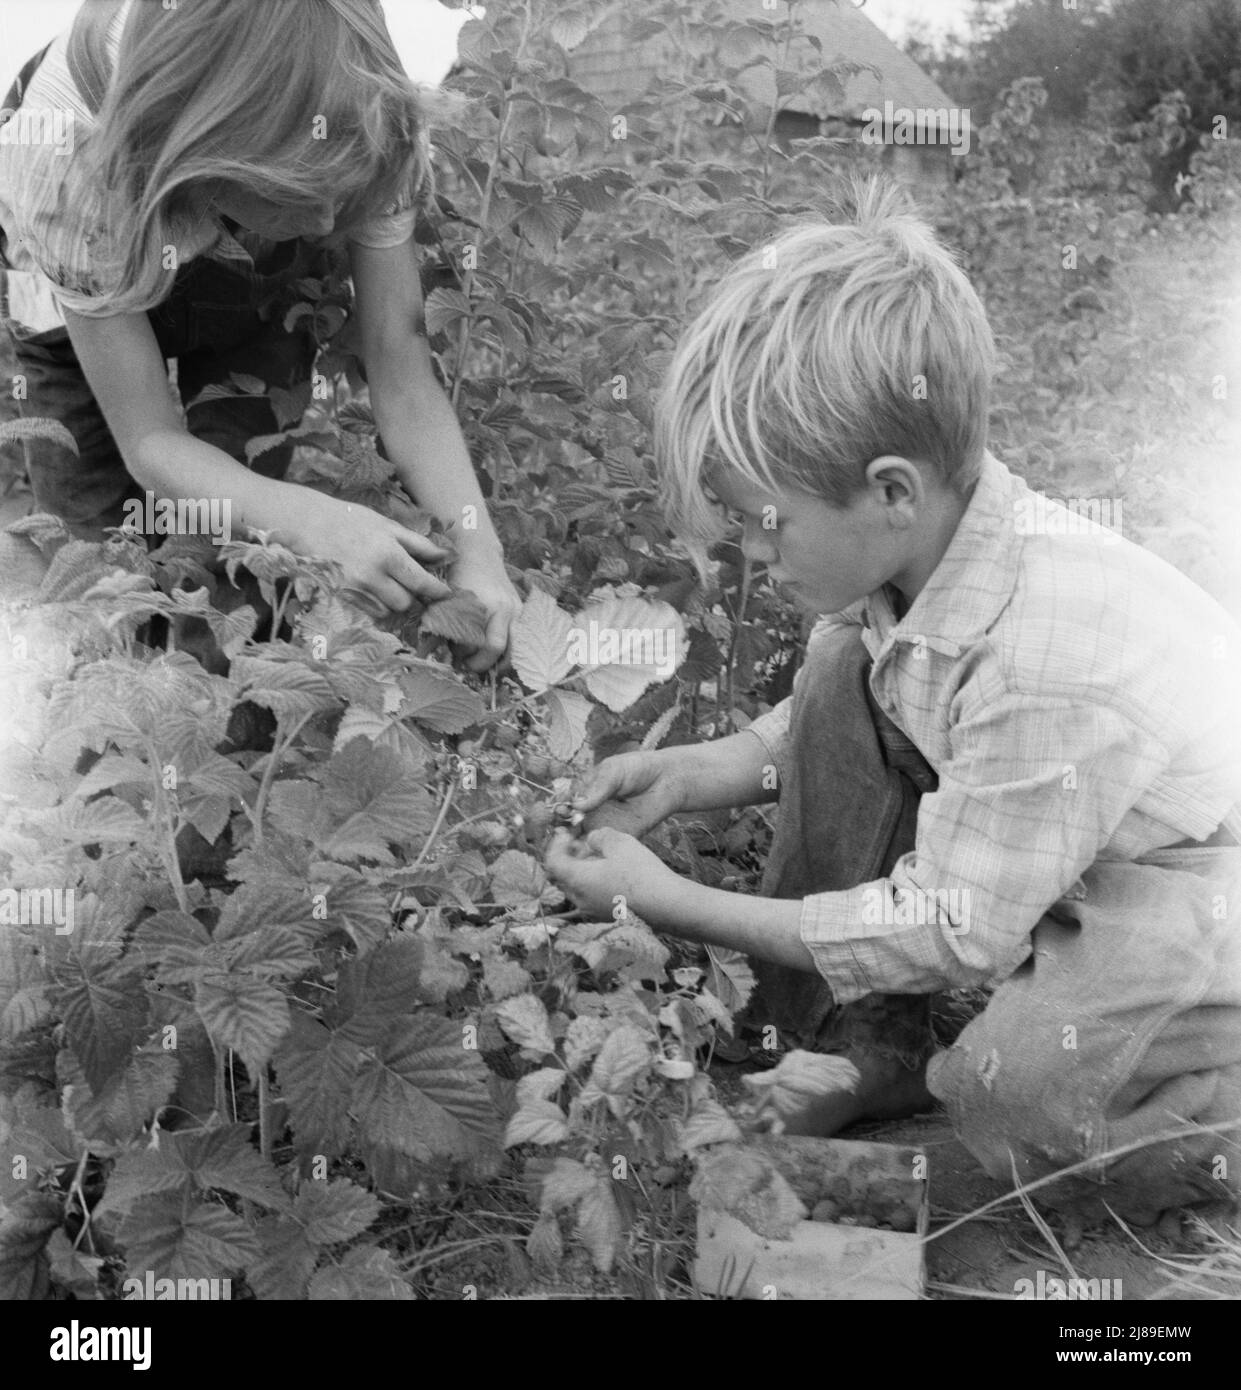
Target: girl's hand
[606, 866]
[379, 557]
[487, 580]
[632, 792]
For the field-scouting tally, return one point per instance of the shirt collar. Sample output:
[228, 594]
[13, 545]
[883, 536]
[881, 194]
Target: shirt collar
[974, 580]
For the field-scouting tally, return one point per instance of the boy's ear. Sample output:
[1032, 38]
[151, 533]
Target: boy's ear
[897, 481]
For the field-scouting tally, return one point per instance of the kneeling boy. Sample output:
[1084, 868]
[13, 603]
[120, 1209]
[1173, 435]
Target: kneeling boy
[1012, 758]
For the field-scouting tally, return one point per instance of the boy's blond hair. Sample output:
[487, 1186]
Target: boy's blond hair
[820, 351]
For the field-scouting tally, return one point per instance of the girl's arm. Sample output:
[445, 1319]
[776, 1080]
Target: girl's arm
[127, 374]
[420, 430]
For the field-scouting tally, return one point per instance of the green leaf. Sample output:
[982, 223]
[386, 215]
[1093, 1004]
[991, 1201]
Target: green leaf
[524, 1019]
[219, 1159]
[539, 642]
[128, 1101]
[518, 880]
[599, 1223]
[536, 1122]
[376, 991]
[24, 1233]
[332, 1212]
[444, 308]
[317, 1069]
[439, 699]
[424, 1094]
[285, 1263]
[565, 1184]
[730, 978]
[568, 713]
[207, 1242]
[371, 1275]
[626, 645]
[290, 691]
[103, 1012]
[245, 1014]
[622, 1060]
[458, 618]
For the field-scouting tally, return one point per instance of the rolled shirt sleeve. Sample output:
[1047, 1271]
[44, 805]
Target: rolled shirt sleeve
[1034, 789]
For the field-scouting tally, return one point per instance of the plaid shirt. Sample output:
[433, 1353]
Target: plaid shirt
[48, 262]
[1077, 697]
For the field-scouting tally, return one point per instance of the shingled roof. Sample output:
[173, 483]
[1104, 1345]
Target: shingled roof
[618, 69]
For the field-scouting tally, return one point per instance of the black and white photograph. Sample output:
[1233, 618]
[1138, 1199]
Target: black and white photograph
[620, 667]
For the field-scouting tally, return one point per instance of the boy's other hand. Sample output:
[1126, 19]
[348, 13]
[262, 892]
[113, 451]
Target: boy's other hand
[632, 792]
[604, 866]
[379, 557]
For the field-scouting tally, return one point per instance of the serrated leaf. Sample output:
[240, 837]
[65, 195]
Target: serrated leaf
[504, 978]
[536, 1122]
[369, 1275]
[245, 1014]
[444, 308]
[585, 1037]
[24, 1233]
[626, 645]
[376, 991]
[730, 978]
[599, 1223]
[207, 1242]
[332, 1212]
[539, 642]
[544, 1245]
[518, 880]
[459, 618]
[75, 1271]
[709, 1123]
[568, 714]
[103, 1013]
[424, 1093]
[565, 1184]
[289, 690]
[285, 1263]
[316, 1068]
[219, 1159]
[524, 1020]
[624, 1057]
[439, 700]
[128, 1101]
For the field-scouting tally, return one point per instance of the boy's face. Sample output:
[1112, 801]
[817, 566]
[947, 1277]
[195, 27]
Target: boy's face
[825, 557]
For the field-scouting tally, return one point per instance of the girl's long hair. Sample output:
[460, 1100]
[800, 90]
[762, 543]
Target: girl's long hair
[297, 101]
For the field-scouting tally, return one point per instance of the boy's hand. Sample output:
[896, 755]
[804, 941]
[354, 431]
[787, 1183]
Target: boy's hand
[632, 792]
[488, 581]
[379, 557]
[605, 865]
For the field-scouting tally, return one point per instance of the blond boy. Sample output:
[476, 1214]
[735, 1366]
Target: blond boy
[1012, 758]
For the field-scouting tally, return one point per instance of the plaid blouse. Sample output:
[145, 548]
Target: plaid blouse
[48, 265]
[1079, 700]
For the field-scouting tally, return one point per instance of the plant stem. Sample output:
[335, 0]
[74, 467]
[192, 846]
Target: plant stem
[279, 748]
[264, 1115]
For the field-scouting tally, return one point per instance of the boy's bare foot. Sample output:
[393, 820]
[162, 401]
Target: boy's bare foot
[889, 1090]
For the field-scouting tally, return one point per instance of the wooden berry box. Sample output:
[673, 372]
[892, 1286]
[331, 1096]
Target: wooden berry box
[868, 1204]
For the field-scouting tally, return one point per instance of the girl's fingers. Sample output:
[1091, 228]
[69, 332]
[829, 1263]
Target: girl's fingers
[418, 546]
[416, 580]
